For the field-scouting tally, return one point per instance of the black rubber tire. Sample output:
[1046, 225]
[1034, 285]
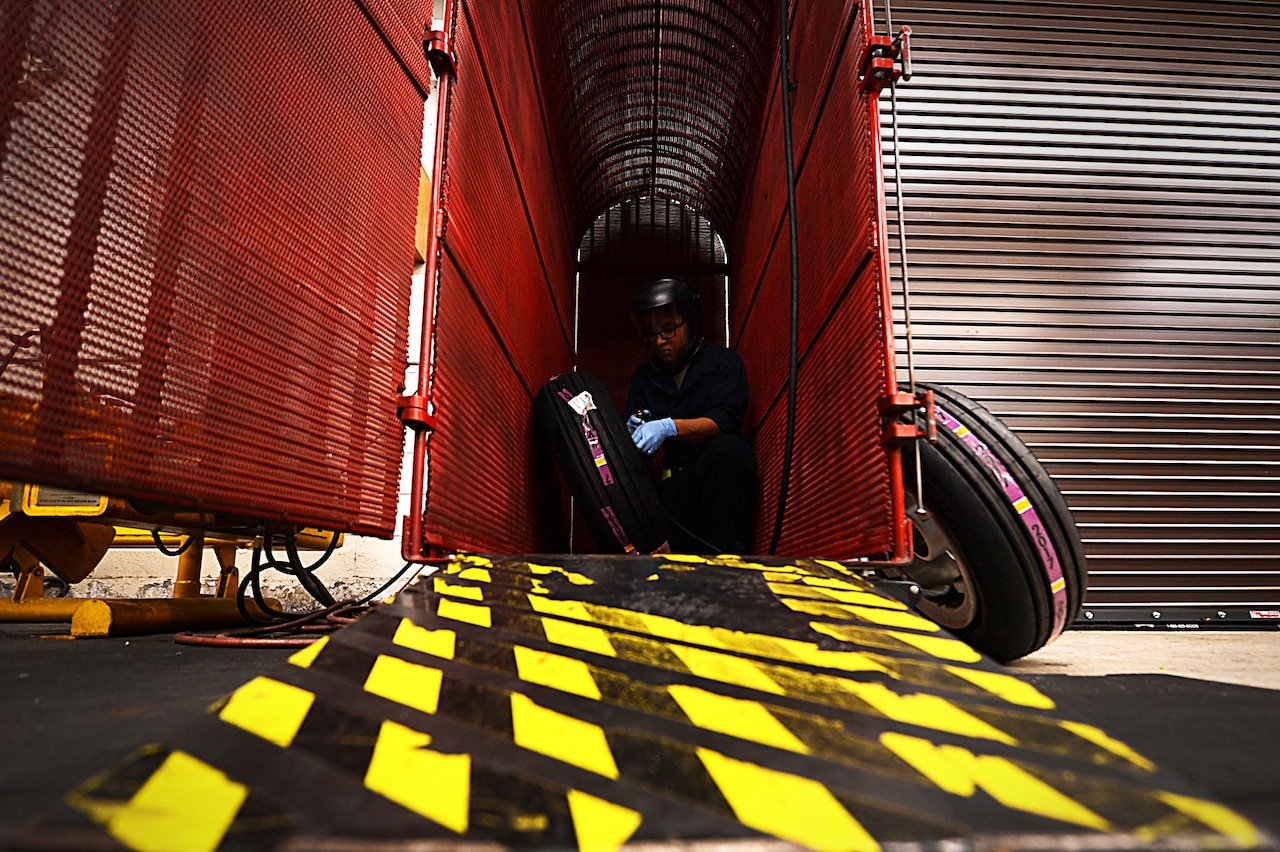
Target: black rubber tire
[627, 494]
[1022, 573]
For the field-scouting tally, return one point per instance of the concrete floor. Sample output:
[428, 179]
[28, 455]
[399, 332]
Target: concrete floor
[1203, 705]
[1245, 658]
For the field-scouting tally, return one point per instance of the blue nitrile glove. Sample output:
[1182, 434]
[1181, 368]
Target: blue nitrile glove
[649, 436]
[633, 423]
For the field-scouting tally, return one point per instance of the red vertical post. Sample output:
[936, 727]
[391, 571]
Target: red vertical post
[416, 410]
[897, 486]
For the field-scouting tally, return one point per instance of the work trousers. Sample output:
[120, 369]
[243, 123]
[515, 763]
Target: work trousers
[712, 500]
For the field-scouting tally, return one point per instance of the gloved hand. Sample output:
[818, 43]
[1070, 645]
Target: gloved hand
[649, 436]
[633, 422]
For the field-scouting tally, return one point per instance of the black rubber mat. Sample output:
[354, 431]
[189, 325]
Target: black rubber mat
[1222, 735]
[589, 702]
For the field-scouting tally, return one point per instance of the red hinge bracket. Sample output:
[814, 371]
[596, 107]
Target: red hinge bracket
[412, 410]
[898, 429]
[885, 60]
[439, 53]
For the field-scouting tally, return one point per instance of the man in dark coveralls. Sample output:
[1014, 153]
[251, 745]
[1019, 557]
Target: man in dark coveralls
[689, 399]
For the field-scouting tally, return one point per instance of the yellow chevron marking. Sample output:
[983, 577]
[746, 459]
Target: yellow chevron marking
[562, 737]
[465, 612]
[731, 561]
[1022, 504]
[561, 609]
[845, 661]
[601, 826]
[934, 646]
[816, 592]
[748, 720]
[435, 785]
[846, 573]
[563, 673]
[437, 643]
[573, 576]
[728, 560]
[444, 587]
[304, 658]
[185, 806]
[480, 575]
[481, 561]
[776, 648]
[667, 628]
[937, 646]
[892, 618]
[269, 709]
[571, 635]
[722, 667]
[821, 609]
[1005, 686]
[581, 636]
[787, 806]
[1099, 738]
[927, 711]
[1219, 818]
[871, 614]
[853, 596]
[960, 772]
[405, 683]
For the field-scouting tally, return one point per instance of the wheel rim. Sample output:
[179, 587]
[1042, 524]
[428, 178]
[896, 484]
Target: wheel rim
[940, 570]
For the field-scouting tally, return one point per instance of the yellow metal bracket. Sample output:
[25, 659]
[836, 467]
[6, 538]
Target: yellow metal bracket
[70, 531]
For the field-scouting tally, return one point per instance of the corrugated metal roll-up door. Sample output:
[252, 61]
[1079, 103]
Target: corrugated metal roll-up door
[1093, 220]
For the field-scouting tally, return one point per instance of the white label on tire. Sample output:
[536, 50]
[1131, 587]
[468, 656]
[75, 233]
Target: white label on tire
[582, 403]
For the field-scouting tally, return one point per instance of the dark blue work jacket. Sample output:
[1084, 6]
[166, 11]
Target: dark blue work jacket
[715, 386]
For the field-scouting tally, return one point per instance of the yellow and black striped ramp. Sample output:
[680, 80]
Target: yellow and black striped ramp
[594, 702]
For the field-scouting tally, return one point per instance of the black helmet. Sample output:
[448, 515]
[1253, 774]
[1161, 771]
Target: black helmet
[661, 292]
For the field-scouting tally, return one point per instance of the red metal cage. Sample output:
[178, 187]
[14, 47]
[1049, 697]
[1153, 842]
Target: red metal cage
[588, 117]
[208, 228]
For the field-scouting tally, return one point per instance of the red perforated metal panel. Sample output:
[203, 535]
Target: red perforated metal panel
[206, 239]
[839, 500]
[505, 295]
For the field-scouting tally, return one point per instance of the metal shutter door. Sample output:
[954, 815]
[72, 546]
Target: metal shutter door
[1092, 205]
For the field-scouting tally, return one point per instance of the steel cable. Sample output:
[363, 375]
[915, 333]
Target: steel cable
[788, 448]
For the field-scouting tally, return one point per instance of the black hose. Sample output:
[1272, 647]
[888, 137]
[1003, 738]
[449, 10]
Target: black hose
[293, 566]
[788, 448]
[374, 595]
[251, 581]
[711, 548]
[155, 536]
[305, 573]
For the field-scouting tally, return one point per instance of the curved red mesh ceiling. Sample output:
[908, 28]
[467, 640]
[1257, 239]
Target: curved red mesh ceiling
[656, 98]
